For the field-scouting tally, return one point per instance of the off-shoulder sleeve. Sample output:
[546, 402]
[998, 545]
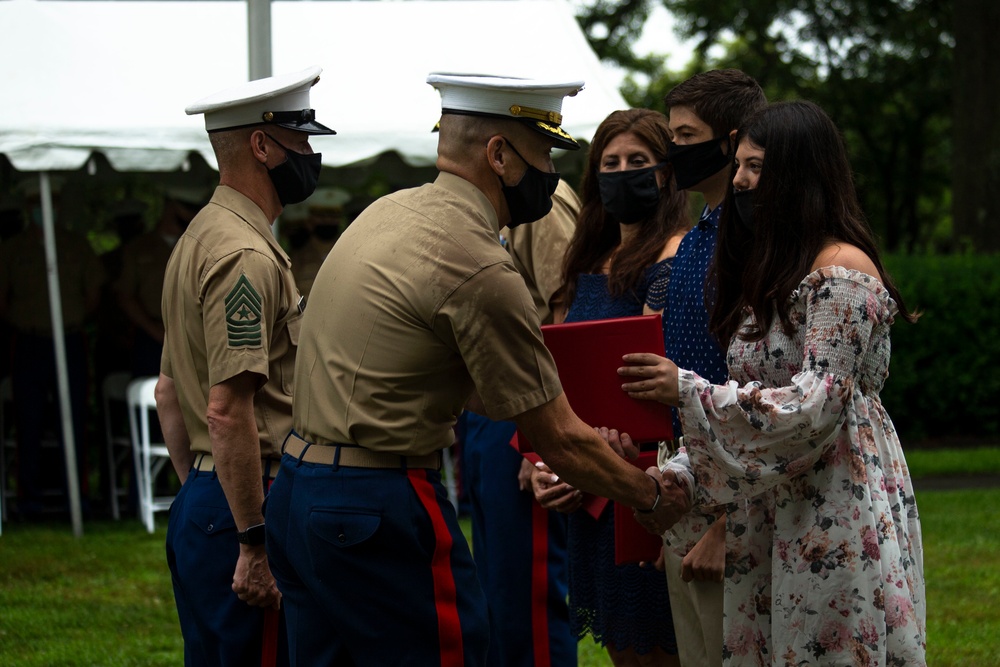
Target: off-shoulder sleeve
[743, 440]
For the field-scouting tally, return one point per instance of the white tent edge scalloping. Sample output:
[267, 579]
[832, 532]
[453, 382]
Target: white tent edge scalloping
[105, 82]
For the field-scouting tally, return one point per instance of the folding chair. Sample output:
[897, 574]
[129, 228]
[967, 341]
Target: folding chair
[150, 458]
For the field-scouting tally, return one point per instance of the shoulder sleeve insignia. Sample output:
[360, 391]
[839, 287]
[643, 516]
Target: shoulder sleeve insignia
[243, 305]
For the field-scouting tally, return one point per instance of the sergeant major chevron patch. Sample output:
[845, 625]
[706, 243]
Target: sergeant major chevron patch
[243, 305]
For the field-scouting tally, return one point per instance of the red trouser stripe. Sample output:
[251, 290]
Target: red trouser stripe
[540, 584]
[269, 645]
[445, 595]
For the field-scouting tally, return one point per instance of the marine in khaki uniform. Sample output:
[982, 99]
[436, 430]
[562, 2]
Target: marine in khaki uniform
[417, 306]
[520, 547]
[231, 316]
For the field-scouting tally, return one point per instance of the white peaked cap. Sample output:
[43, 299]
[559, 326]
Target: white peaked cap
[281, 100]
[533, 102]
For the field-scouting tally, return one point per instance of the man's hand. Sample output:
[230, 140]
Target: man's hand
[653, 378]
[707, 559]
[253, 582]
[674, 503]
[553, 494]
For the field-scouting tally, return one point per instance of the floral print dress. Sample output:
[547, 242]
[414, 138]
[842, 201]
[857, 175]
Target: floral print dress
[824, 561]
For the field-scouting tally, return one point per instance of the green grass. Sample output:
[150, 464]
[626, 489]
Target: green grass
[106, 599]
[961, 540]
[959, 461]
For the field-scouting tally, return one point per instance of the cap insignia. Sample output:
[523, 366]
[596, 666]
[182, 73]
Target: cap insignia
[555, 129]
[536, 114]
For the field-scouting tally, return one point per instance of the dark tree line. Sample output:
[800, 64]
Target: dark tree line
[913, 84]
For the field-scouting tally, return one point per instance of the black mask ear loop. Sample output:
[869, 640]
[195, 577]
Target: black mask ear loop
[518, 154]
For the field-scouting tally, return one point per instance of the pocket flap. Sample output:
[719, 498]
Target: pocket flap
[212, 520]
[343, 528]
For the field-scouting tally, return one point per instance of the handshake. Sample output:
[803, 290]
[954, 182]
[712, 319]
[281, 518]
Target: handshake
[673, 501]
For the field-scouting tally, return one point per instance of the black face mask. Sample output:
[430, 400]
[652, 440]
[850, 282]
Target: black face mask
[531, 198]
[630, 196]
[295, 178]
[743, 203]
[696, 162]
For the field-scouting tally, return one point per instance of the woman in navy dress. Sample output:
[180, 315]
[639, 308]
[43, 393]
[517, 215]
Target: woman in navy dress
[618, 265]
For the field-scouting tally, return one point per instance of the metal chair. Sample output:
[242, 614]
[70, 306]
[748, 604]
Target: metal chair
[114, 389]
[150, 458]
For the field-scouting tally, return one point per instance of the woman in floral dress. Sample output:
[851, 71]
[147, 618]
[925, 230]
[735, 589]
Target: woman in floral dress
[824, 560]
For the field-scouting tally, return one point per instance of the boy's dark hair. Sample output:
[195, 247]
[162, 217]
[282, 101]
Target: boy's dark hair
[723, 98]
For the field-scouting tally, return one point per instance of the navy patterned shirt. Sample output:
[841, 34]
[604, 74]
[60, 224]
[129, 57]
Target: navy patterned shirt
[685, 319]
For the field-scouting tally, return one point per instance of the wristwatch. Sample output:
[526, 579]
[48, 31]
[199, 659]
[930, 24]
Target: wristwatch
[252, 536]
[656, 502]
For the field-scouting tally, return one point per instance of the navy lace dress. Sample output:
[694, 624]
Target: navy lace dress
[623, 606]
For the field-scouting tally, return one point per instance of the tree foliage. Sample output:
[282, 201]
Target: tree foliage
[881, 69]
[976, 160]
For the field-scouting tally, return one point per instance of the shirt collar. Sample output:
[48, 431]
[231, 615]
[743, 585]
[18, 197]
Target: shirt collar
[243, 207]
[472, 194]
[710, 217]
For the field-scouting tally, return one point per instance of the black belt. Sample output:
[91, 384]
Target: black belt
[353, 456]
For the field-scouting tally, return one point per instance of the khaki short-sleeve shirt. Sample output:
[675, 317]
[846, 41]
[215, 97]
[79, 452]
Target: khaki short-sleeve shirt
[230, 305]
[417, 304]
[538, 249]
[144, 262]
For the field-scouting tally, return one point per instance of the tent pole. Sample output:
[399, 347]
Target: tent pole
[259, 38]
[59, 342]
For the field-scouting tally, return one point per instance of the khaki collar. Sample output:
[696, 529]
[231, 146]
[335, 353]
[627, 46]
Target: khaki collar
[244, 208]
[472, 194]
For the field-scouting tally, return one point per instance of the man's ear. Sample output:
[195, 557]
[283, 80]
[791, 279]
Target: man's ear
[495, 154]
[258, 146]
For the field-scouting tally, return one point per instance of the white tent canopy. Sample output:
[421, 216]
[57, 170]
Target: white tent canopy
[114, 77]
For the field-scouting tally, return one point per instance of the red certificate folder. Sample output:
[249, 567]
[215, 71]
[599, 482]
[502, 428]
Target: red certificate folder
[588, 356]
[633, 543]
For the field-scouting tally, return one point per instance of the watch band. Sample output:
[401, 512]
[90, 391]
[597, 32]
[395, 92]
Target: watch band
[252, 536]
[656, 502]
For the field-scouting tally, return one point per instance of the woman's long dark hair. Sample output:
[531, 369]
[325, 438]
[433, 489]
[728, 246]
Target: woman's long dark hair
[805, 199]
[597, 233]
